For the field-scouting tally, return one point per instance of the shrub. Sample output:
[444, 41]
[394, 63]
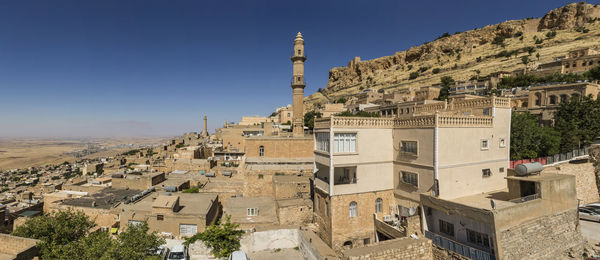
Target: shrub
[498, 40]
[479, 59]
[446, 34]
[551, 34]
[539, 41]
[413, 75]
[191, 190]
[436, 70]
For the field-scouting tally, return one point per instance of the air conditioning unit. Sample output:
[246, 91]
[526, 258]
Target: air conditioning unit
[387, 218]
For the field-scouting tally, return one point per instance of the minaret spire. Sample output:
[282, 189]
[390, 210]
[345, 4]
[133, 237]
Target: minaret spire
[298, 85]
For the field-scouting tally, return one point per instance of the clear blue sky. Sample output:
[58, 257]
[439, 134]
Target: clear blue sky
[154, 68]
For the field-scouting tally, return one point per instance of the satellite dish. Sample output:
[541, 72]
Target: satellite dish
[412, 211]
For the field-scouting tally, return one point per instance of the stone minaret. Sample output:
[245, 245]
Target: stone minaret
[205, 133]
[298, 85]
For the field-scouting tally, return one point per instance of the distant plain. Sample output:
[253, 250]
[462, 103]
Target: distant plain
[27, 152]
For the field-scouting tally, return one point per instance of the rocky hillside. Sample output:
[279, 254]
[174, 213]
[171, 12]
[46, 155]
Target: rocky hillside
[467, 54]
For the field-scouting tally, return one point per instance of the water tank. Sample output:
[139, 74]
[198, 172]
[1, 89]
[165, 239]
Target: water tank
[210, 174]
[227, 173]
[528, 168]
[170, 188]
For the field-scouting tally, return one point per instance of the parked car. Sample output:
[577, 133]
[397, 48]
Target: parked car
[178, 252]
[161, 251]
[238, 255]
[591, 214]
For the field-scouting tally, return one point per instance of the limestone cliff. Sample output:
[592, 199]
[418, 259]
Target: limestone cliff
[462, 54]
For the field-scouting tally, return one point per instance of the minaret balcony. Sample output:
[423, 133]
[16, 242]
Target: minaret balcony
[300, 58]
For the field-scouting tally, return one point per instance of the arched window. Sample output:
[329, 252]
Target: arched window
[299, 52]
[553, 100]
[538, 99]
[353, 211]
[378, 205]
[261, 151]
[564, 97]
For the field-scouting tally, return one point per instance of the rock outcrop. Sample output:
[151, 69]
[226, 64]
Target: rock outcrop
[393, 70]
[570, 16]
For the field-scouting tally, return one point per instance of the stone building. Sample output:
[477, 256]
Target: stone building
[18, 248]
[371, 170]
[138, 180]
[543, 100]
[532, 217]
[580, 60]
[176, 215]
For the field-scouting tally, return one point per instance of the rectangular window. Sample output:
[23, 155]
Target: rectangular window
[318, 203]
[160, 217]
[501, 169]
[345, 143]
[326, 208]
[486, 172]
[188, 229]
[322, 142]
[410, 178]
[477, 238]
[251, 212]
[485, 144]
[446, 228]
[409, 147]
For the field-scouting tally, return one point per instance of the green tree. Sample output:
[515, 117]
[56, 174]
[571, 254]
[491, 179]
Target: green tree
[136, 241]
[55, 229]
[578, 122]
[530, 140]
[309, 119]
[65, 235]
[97, 245]
[340, 100]
[223, 238]
[594, 73]
[446, 82]
[525, 60]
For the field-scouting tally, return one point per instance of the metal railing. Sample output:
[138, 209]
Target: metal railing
[459, 248]
[526, 198]
[557, 158]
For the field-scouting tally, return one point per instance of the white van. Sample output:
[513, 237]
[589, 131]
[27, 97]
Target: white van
[178, 252]
[238, 255]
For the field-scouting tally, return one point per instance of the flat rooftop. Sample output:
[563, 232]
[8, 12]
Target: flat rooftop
[104, 198]
[190, 203]
[482, 200]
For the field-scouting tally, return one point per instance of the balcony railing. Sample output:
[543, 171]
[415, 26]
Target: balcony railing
[459, 248]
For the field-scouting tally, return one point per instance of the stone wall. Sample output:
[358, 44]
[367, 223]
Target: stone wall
[402, 248]
[359, 230]
[294, 211]
[548, 237]
[18, 247]
[585, 179]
